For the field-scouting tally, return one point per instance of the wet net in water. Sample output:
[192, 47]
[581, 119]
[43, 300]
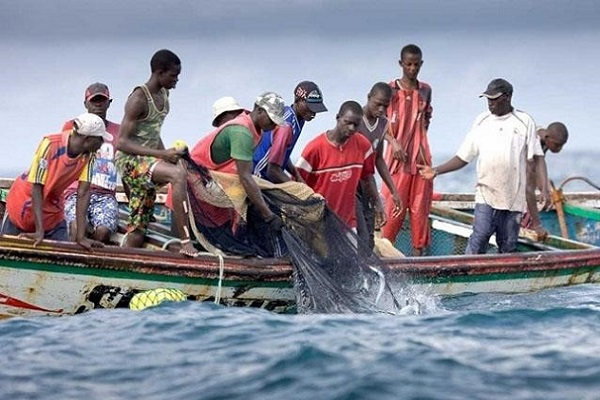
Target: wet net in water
[333, 271]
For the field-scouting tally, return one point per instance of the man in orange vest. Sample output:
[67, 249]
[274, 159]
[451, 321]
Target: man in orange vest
[230, 148]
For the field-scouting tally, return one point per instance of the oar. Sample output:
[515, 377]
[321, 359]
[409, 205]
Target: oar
[557, 200]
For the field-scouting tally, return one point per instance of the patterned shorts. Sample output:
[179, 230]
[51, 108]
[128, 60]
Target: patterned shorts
[137, 175]
[102, 211]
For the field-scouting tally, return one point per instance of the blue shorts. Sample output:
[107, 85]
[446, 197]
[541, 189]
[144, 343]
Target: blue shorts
[102, 211]
[505, 224]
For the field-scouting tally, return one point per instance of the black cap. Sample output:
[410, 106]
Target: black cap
[310, 92]
[497, 88]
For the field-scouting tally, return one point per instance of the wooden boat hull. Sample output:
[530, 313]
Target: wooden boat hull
[62, 278]
[59, 278]
[581, 211]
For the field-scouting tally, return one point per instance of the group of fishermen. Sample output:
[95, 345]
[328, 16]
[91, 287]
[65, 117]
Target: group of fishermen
[69, 191]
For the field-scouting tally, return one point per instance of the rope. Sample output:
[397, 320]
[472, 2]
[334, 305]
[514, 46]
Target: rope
[123, 240]
[221, 275]
[580, 178]
[170, 241]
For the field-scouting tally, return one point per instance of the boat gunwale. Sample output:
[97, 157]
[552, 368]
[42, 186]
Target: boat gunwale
[207, 266]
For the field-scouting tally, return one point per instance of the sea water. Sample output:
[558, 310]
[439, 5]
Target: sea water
[541, 345]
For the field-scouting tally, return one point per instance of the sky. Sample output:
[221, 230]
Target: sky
[52, 50]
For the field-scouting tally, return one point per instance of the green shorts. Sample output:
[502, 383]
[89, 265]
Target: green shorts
[136, 172]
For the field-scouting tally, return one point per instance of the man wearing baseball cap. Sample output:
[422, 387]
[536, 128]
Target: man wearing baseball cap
[34, 206]
[504, 140]
[229, 148]
[272, 155]
[102, 210]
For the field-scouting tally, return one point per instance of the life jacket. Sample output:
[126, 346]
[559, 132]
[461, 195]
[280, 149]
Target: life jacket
[201, 151]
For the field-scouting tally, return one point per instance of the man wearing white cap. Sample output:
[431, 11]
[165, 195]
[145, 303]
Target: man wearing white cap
[225, 109]
[504, 140]
[34, 206]
[229, 148]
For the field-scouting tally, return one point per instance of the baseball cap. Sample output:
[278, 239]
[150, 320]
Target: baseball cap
[96, 89]
[88, 124]
[224, 104]
[496, 88]
[273, 104]
[310, 92]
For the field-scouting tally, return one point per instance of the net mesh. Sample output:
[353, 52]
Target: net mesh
[333, 271]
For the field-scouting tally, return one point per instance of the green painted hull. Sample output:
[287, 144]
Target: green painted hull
[61, 279]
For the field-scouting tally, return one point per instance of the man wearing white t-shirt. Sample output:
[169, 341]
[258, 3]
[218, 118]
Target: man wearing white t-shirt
[504, 140]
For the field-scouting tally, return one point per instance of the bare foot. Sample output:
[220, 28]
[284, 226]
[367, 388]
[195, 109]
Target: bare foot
[188, 249]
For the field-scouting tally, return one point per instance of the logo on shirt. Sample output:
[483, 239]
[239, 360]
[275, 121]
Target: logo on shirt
[341, 176]
[43, 164]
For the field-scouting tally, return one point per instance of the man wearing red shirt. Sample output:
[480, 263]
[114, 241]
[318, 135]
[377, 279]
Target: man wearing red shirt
[335, 162]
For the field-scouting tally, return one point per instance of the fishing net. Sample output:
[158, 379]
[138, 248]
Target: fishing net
[154, 297]
[333, 271]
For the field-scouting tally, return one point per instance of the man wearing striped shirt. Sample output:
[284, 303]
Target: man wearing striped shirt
[35, 204]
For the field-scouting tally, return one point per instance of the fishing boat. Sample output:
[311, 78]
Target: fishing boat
[575, 215]
[58, 278]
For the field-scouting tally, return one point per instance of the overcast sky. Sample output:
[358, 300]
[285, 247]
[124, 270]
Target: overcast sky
[53, 49]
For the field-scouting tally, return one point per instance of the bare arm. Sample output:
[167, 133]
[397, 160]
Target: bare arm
[136, 108]
[542, 180]
[37, 199]
[81, 207]
[452, 164]
[536, 224]
[83, 202]
[371, 188]
[291, 168]
[398, 152]
[276, 174]
[384, 172]
[252, 190]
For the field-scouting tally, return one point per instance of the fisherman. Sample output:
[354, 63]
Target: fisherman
[504, 139]
[35, 206]
[334, 163]
[272, 155]
[225, 109]
[552, 138]
[374, 124]
[229, 149]
[142, 159]
[103, 209]
[409, 113]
